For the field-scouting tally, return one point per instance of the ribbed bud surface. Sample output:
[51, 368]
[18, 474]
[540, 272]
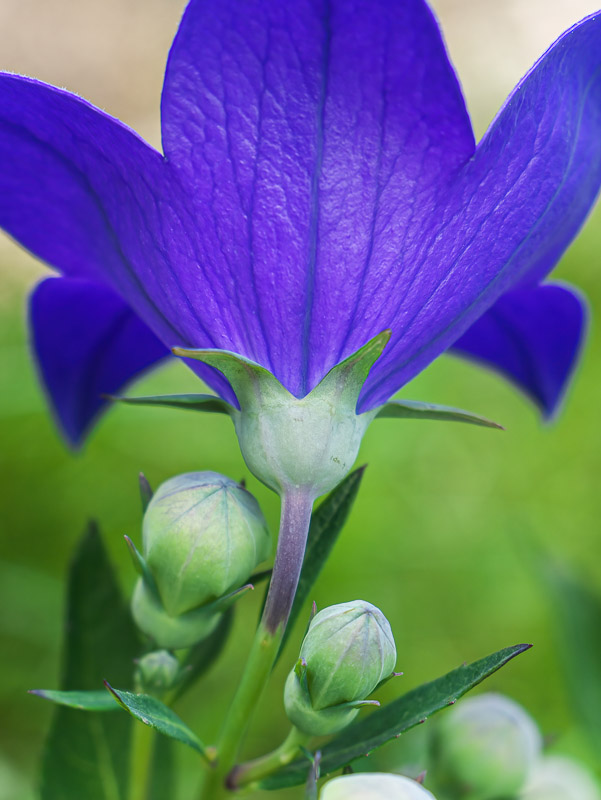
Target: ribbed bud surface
[348, 650]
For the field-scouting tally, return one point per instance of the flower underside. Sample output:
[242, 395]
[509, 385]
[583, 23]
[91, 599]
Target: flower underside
[319, 184]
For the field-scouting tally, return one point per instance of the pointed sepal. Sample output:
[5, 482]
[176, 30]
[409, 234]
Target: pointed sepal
[358, 704]
[187, 402]
[227, 601]
[145, 491]
[245, 376]
[142, 568]
[414, 409]
[308, 443]
[346, 379]
[300, 670]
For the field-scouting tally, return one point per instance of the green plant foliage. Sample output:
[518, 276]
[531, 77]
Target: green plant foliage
[414, 409]
[188, 402]
[94, 700]
[157, 715]
[390, 721]
[86, 755]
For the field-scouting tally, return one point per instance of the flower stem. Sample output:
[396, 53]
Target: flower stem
[141, 755]
[252, 771]
[294, 526]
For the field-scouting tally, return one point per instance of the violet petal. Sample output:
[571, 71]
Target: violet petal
[533, 336]
[512, 211]
[313, 138]
[87, 343]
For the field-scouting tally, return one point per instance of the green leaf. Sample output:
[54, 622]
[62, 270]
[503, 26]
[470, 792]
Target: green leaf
[93, 700]
[577, 620]
[413, 409]
[326, 524]
[202, 656]
[388, 722]
[86, 755]
[157, 715]
[188, 402]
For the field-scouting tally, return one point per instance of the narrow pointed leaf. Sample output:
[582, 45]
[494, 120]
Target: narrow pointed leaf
[93, 700]
[413, 409]
[87, 755]
[157, 715]
[391, 720]
[326, 524]
[205, 653]
[188, 402]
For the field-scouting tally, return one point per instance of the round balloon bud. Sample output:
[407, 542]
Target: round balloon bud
[559, 778]
[374, 786]
[489, 744]
[203, 535]
[348, 650]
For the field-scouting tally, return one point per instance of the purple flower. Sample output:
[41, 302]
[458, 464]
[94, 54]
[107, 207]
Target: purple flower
[320, 183]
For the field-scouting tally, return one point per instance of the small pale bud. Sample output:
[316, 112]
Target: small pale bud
[203, 535]
[374, 786]
[489, 744]
[157, 672]
[348, 650]
[559, 778]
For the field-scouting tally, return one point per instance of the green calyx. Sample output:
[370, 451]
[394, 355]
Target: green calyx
[182, 630]
[347, 652]
[289, 442]
[203, 535]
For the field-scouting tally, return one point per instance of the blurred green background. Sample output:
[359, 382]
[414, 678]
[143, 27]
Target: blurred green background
[438, 535]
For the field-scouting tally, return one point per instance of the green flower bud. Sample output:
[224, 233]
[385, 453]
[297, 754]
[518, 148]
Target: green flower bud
[347, 652]
[489, 744]
[157, 672]
[558, 778]
[374, 786]
[203, 535]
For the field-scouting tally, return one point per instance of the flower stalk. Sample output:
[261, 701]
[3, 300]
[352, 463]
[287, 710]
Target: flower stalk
[244, 775]
[296, 510]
